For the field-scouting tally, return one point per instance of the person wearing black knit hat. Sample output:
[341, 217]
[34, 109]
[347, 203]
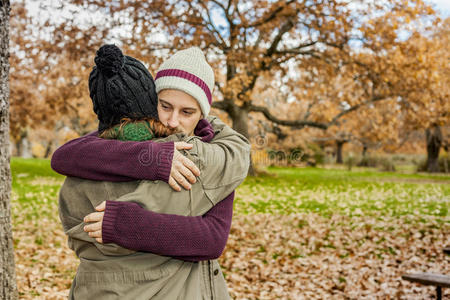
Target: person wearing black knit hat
[120, 86]
[124, 98]
[122, 89]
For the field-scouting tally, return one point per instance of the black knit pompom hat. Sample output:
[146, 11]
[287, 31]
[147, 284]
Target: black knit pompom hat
[120, 86]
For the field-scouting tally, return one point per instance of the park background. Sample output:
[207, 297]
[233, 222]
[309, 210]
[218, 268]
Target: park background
[346, 106]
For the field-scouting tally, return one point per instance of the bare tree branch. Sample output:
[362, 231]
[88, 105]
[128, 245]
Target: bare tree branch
[355, 107]
[283, 29]
[222, 105]
[304, 122]
[213, 28]
[291, 123]
[217, 84]
[308, 110]
[271, 16]
[253, 74]
[295, 49]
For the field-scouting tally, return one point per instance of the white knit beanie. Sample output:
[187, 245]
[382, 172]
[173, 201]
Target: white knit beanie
[188, 71]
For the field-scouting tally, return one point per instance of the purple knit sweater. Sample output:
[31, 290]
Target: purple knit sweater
[129, 225]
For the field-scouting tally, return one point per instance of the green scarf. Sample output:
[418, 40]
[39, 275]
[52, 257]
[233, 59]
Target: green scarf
[135, 131]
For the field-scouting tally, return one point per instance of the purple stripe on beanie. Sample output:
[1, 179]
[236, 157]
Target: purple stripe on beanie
[188, 76]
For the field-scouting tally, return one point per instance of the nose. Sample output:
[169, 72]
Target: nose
[173, 120]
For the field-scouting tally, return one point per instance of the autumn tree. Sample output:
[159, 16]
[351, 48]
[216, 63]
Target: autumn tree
[435, 112]
[426, 86]
[336, 96]
[25, 102]
[292, 42]
[245, 40]
[8, 289]
[372, 127]
[50, 64]
[403, 83]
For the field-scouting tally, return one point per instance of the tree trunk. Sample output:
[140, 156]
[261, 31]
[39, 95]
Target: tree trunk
[339, 145]
[445, 146]
[23, 145]
[48, 149]
[18, 147]
[25, 151]
[8, 289]
[240, 124]
[364, 152]
[434, 142]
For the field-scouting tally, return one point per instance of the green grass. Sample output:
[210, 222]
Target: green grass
[315, 174]
[282, 191]
[328, 191]
[32, 167]
[35, 188]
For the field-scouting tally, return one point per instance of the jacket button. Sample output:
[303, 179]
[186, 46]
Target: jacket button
[216, 271]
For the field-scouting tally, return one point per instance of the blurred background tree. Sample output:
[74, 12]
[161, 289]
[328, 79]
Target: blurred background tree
[360, 73]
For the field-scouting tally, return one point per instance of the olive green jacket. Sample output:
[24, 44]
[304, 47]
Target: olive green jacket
[108, 271]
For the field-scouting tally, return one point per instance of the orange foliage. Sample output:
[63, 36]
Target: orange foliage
[300, 64]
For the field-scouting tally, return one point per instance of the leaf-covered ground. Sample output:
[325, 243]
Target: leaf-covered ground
[296, 234]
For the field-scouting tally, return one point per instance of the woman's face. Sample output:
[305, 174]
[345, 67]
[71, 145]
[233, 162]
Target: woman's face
[176, 109]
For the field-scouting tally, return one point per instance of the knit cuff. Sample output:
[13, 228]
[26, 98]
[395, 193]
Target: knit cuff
[164, 159]
[111, 210]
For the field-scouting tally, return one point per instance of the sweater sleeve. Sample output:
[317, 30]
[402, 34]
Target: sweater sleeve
[94, 158]
[184, 237]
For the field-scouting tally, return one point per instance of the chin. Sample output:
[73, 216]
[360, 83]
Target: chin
[188, 133]
[182, 130]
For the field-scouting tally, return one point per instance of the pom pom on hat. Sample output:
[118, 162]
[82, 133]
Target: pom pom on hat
[109, 59]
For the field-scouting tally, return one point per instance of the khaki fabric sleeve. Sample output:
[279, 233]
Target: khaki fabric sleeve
[73, 205]
[158, 196]
[223, 164]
